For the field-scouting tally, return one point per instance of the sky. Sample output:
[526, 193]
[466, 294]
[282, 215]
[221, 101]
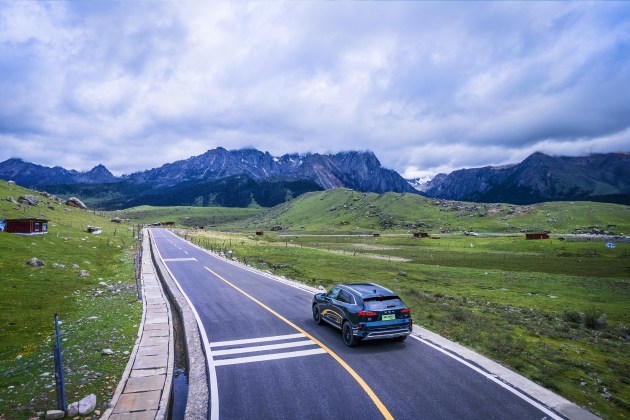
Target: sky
[428, 87]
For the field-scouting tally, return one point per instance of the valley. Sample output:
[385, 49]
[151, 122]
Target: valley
[554, 310]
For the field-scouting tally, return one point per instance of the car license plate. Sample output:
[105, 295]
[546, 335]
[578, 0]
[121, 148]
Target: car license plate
[388, 317]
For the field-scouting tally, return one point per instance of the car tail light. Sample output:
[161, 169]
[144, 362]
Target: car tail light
[405, 311]
[366, 313]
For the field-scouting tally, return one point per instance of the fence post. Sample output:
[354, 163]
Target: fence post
[59, 381]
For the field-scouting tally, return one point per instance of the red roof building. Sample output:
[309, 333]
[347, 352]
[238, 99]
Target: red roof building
[26, 226]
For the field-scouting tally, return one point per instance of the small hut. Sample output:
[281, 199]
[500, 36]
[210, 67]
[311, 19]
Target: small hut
[27, 226]
[420, 235]
[536, 235]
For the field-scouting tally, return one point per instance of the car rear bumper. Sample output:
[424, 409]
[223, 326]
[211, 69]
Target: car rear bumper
[383, 331]
[380, 335]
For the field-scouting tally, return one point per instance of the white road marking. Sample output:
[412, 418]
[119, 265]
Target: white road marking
[178, 259]
[256, 340]
[254, 349]
[266, 357]
[492, 378]
[212, 372]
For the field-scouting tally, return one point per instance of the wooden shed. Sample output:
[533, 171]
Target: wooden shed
[420, 235]
[27, 226]
[537, 235]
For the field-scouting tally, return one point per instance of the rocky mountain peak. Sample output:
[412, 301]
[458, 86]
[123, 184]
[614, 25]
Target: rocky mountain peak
[540, 178]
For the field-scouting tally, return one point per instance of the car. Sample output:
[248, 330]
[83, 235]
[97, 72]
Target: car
[363, 311]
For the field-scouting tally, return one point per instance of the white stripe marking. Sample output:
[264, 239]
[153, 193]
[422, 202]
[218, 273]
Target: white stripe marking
[179, 259]
[492, 378]
[254, 349]
[214, 386]
[265, 357]
[256, 340]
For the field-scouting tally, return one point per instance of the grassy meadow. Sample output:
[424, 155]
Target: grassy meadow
[96, 312]
[343, 210]
[187, 216]
[554, 310]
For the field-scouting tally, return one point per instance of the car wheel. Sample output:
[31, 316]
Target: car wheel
[348, 338]
[317, 316]
[401, 338]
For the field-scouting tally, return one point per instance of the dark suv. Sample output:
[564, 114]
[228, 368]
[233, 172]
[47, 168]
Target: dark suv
[363, 311]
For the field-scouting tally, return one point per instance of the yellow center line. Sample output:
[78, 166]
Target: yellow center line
[347, 367]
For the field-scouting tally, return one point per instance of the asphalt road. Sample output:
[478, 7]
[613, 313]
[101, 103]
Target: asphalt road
[272, 362]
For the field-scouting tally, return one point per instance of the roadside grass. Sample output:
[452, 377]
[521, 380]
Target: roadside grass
[97, 312]
[522, 303]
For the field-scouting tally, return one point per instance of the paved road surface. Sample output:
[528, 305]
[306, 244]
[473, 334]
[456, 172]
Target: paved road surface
[272, 362]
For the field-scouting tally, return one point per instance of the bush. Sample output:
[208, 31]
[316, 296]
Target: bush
[573, 317]
[460, 314]
[594, 319]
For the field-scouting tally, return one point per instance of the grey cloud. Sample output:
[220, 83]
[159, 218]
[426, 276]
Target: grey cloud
[426, 86]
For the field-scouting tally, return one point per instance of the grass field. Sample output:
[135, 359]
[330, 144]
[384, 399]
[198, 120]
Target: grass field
[343, 210]
[97, 312]
[554, 310]
[187, 216]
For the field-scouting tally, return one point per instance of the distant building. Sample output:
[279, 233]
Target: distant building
[26, 226]
[537, 235]
[420, 235]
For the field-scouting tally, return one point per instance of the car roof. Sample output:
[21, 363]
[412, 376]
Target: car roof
[365, 290]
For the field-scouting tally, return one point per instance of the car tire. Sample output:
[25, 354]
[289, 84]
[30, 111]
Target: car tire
[317, 316]
[349, 339]
[401, 338]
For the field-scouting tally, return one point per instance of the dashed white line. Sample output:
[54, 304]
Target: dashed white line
[255, 340]
[265, 357]
[254, 349]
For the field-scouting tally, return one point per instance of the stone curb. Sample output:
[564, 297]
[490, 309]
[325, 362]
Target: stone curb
[145, 386]
[514, 380]
[198, 400]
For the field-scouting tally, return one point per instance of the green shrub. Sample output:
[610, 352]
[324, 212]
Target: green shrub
[573, 317]
[594, 319]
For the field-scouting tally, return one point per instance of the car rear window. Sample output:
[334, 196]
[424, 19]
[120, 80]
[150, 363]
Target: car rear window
[379, 303]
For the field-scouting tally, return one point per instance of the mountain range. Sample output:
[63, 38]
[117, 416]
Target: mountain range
[239, 178]
[234, 178]
[540, 178]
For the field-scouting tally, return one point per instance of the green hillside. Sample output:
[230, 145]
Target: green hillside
[186, 215]
[97, 311]
[349, 211]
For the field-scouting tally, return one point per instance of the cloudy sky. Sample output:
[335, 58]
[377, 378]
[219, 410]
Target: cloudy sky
[429, 87]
